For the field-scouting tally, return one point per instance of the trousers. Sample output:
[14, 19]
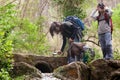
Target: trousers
[106, 45]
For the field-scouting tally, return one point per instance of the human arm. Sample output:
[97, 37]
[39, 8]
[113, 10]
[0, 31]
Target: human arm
[93, 14]
[63, 44]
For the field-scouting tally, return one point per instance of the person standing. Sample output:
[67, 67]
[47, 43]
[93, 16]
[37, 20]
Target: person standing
[104, 30]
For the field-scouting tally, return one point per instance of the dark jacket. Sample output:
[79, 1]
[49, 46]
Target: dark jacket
[68, 31]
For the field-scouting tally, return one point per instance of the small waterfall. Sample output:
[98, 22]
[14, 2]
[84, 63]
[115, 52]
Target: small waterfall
[46, 70]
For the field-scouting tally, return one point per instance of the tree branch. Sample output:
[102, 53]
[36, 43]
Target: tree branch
[10, 3]
[93, 42]
[88, 40]
[42, 6]
[24, 10]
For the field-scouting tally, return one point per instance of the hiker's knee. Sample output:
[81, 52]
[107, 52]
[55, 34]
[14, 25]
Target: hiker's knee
[108, 45]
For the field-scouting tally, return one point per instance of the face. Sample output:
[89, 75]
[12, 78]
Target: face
[99, 9]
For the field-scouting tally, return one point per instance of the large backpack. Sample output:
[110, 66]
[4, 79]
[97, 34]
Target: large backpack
[76, 21]
[108, 19]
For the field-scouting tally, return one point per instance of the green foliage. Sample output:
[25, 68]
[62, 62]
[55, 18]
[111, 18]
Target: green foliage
[4, 75]
[92, 30]
[116, 17]
[18, 35]
[29, 37]
[71, 7]
[116, 29]
[117, 55]
[7, 18]
[20, 78]
[98, 54]
[87, 57]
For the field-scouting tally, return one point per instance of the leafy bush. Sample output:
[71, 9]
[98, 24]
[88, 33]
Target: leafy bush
[117, 55]
[74, 7]
[116, 29]
[116, 17]
[7, 18]
[29, 37]
[71, 7]
[4, 75]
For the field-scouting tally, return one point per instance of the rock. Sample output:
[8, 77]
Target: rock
[115, 75]
[29, 77]
[22, 68]
[102, 69]
[96, 70]
[73, 71]
[114, 63]
[32, 59]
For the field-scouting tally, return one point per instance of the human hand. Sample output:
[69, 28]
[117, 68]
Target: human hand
[97, 8]
[70, 40]
[59, 52]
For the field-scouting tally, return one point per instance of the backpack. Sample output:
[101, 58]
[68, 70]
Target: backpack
[75, 21]
[107, 19]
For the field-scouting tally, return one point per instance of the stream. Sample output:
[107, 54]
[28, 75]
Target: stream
[48, 76]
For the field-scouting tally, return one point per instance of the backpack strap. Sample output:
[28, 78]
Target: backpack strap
[109, 21]
[106, 17]
[111, 25]
[98, 18]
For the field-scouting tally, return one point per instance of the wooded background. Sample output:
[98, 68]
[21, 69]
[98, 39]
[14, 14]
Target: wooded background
[24, 27]
[44, 12]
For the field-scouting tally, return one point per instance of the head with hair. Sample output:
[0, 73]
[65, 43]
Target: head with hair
[55, 28]
[101, 5]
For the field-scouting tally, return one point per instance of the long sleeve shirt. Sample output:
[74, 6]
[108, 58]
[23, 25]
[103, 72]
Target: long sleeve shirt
[68, 31]
[103, 26]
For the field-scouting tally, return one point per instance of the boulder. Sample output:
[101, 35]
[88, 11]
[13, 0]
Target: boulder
[32, 59]
[96, 70]
[22, 68]
[103, 69]
[73, 71]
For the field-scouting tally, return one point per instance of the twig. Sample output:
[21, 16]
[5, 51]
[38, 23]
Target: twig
[24, 10]
[42, 7]
[91, 37]
[10, 3]
[44, 36]
[92, 42]
[88, 40]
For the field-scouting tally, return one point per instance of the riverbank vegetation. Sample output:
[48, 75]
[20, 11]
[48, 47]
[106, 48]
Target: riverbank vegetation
[24, 26]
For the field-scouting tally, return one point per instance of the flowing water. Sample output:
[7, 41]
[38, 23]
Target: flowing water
[48, 76]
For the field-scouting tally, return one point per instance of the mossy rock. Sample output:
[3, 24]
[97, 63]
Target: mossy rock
[73, 71]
